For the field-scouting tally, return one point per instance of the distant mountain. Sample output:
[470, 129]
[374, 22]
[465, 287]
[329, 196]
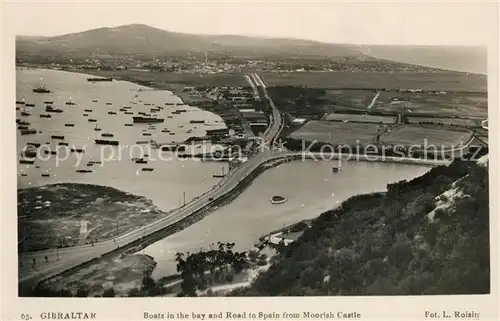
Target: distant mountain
[139, 39]
[146, 40]
[459, 58]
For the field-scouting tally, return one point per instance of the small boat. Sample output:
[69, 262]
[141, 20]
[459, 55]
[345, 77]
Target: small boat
[97, 129]
[83, 171]
[77, 150]
[63, 144]
[50, 152]
[111, 112]
[170, 116]
[28, 132]
[128, 113]
[96, 79]
[17, 108]
[140, 142]
[129, 125]
[26, 161]
[45, 116]
[107, 135]
[85, 114]
[45, 175]
[20, 102]
[141, 161]
[70, 103]
[146, 134]
[57, 137]
[196, 121]
[30, 153]
[147, 169]
[107, 142]
[23, 122]
[147, 120]
[34, 144]
[41, 90]
[87, 110]
[29, 105]
[23, 127]
[122, 109]
[69, 125]
[48, 102]
[109, 104]
[147, 104]
[92, 120]
[278, 200]
[49, 109]
[24, 113]
[172, 134]
[165, 130]
[24, 174]
[94, 100]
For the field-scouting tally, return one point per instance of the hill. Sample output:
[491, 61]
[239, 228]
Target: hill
[137, 39]
[458, 58]
[426, 236]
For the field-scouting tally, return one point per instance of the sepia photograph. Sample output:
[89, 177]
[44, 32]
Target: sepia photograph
[203, 149]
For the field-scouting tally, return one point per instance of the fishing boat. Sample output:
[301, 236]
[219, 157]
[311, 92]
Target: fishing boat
[77, 150]
[29, 105]
[69, 125]
[147, 120]
[107, 142]
[28, 132]
[111, 112]
[45, 116]
[97, 79]
[141, 161]
[109, 103]
[41, 90]
[278, 200]
[129, 125]
[84, 171]
[94, 100]
[45, 175]
[107, 135]
[48, 102]
[34, 144]
[147, 169]
[57, 137]
[87, 110]
[20, 102]
[25, 113]
[23, 127]
[63, 144]
[50, 109]
[26, 161]
[91, 120]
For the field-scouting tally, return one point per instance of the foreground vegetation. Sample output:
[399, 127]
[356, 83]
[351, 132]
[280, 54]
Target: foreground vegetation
[426, 236]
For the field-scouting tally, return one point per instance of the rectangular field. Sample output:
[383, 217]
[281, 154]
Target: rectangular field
[360, 118]
[448, 81]
[445, 121]
[421, 135]
[337, 133]
[447, 104]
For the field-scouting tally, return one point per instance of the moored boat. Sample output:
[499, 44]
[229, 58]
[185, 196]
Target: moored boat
[107, 142]
[278, 200]
[147, 120]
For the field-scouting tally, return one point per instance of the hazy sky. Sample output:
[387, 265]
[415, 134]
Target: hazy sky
[341, 22]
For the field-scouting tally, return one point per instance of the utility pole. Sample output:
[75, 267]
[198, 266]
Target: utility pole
[184, 195]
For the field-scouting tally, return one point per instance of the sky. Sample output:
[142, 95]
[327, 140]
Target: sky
[397, 23]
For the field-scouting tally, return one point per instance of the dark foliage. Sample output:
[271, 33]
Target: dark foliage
[386, 244]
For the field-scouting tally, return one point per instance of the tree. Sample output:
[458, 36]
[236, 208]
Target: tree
[109, 293]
